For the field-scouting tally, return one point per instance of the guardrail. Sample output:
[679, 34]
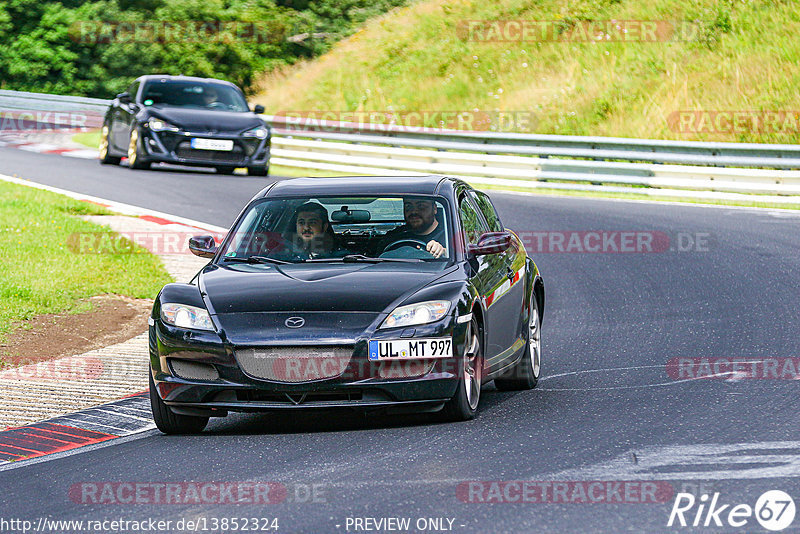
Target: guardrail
[520, 160]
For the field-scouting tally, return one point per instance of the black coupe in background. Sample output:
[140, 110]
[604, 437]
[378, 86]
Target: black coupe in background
[374, 293]
[187, 121]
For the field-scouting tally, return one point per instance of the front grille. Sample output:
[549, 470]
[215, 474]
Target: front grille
[405, 368]
[193, 370]
[186, 151]
[296, 363]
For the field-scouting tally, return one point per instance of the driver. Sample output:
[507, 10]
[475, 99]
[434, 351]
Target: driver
[210, 96]
[420, 225]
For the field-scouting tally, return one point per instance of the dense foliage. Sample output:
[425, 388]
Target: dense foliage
[97, 48]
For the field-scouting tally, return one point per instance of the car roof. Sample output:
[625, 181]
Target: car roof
[150, 77]
[366, 185]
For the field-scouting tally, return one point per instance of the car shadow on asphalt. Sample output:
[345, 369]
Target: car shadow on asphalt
[344, 420]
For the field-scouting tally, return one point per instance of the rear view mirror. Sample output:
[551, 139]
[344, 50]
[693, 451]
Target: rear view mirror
[258, 109]
[346, 215]
[203, 246]
[125, 98]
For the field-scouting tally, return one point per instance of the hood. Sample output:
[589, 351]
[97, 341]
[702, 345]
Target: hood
[350, 287]
[203, 120]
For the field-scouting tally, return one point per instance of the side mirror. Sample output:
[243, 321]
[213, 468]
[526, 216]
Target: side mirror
[203, 246]
[491, 243]
[125, 98]
[258, 109]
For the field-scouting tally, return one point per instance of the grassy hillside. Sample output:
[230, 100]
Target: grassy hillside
[744, 56]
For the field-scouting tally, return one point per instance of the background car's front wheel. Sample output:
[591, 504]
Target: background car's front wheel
[464, 403]
[105, 159]
[258, 171]
[135, 160]
[173, 423]
[525, 373]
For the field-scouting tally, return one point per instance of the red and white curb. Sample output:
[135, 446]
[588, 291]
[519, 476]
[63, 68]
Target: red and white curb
[49, 143]
[62, 435]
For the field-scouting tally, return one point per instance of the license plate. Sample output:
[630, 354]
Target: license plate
[212, 144]
[410, 349]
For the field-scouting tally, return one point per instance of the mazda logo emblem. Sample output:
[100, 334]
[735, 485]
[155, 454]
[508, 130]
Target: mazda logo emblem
[295, 322]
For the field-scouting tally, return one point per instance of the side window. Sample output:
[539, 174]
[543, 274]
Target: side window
[489, 213]
[133, 89]
[471, 222]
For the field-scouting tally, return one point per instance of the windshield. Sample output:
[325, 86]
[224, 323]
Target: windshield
[196, 95]
[324, 230]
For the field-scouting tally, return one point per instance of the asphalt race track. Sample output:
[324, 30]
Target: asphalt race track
[613, 406]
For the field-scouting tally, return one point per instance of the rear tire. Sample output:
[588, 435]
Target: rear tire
[105, 158]
[464, 404]
[525, 373]
[172, 423]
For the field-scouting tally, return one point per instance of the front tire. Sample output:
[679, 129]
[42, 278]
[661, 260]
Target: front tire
[172, 423]
[525, 373]
[258, 171]
[105, 158]
[464, 404]
[135, 160]
[224, 170]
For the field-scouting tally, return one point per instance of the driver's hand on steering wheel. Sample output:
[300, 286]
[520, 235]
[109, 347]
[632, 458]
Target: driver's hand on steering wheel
[435, 248]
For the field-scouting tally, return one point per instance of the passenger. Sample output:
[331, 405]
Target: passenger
[313, 236]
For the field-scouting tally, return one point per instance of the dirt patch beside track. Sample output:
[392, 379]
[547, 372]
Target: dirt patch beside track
[112, 319]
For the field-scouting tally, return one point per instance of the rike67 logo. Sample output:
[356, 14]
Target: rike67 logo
[774, 510]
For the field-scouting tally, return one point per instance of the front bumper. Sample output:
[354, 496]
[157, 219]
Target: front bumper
[362, 384]
[175, 147]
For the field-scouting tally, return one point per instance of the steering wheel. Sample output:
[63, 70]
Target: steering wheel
[217, 105]
[407, 242]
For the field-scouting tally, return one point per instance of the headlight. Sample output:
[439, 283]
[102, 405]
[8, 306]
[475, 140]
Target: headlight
[184, 316]
[413, 314]
[259, 132]
[157, 125]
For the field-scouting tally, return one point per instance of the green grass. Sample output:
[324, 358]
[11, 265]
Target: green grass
[297, 172]
[89, 139]
[41, 274]
[744, 57]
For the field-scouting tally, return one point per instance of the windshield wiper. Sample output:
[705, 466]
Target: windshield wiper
[256, 259]
[354, 258]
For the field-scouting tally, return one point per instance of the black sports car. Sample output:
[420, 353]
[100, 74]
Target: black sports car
[393, 294]
[188, 121]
